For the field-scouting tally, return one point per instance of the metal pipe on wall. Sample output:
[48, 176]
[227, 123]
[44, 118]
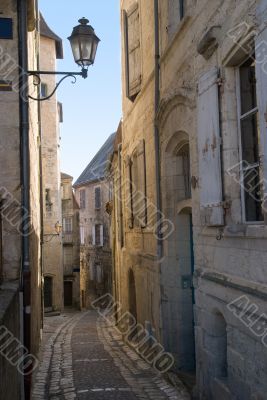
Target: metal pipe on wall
[25, 285]
[156, 130]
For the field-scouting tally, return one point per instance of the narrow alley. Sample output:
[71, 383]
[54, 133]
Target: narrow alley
[83, 358]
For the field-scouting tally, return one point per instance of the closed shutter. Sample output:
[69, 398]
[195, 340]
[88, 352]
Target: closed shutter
[141, 171]
[97, 198]
[132, 52]
[261, 75]
[101, 235]
[93, 235]
[129, 198]
[209, 147]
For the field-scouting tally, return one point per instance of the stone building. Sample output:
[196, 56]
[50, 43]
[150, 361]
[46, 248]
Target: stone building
[189, 184]
[20, 217]
[93, 192]
[71, 243]
[50, 50]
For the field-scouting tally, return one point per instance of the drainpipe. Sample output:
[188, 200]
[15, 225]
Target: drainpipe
[41, 175]
[156, 131]
[25, 286]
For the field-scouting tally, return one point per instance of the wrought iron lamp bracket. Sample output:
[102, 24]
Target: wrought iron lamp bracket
[38, 80]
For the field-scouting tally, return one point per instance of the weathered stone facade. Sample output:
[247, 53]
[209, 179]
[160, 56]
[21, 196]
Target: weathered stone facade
[215, 234]
[50, 51]
[93, 192]
[71, 243]
[12, 236]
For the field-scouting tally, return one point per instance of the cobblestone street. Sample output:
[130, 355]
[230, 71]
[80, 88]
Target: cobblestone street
[83, 358]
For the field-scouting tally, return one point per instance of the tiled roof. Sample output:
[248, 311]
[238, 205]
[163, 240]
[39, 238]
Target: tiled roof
[97, 168]
[47, 32]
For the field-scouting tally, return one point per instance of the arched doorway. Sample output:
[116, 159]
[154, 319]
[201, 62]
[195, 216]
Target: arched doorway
[179, 299]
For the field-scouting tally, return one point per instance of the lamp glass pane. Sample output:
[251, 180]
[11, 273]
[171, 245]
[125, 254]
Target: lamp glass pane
[76, 49]
[86, 42]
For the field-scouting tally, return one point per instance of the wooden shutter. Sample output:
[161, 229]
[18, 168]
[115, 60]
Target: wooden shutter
[209, 147]
[261, 76]
[141, 171]
[101, 235]
[132, 52]
[93, 235]
[97, 198]
[129, 198]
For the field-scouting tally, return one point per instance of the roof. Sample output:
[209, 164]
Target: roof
[97, 168]
[66, 176]
[47, 32]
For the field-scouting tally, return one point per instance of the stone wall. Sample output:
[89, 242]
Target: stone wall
[71, 241]
[53, 261]
[224, 262]
[92, 284]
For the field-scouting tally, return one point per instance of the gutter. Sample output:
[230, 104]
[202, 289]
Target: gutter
[25, 283]
[156, 131]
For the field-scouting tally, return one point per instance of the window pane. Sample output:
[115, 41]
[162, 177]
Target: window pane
[252, 191]
[250, 139]
[97, 198]
[97, 235]
[248, 86]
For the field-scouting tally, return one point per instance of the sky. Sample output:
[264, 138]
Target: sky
[91, 107]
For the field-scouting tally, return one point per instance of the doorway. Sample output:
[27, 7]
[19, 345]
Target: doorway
[185, 249]
[48, 292]
[68, 294]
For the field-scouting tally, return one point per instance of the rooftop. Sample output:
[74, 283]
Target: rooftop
[47, 32]
[97, 168]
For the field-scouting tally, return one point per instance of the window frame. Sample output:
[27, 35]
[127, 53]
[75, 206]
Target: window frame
[98, 188]
[82, 235]
[82, 201]
[240, 118]
[66, 224]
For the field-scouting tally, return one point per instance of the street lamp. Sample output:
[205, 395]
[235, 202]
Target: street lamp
[84, 43]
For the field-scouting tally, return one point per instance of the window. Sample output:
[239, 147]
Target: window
[82, 235]
[98, 235]
[132, 52]
[67, 225]
[97, 198]
[48, 203]
[82, 199]
[185, 155]
[249, 143]
[43, 90]
[137, 176]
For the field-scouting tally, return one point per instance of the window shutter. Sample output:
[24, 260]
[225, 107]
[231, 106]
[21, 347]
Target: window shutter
[141, 168]
[209, 148]
[101, 235]
[132, 52]
[97, 198]
[129, 198]
[261, 75]
[93, 235]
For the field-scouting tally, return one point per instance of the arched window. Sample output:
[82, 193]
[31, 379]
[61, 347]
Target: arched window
[184, 154]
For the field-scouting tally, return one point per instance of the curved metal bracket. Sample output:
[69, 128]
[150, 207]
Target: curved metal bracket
[37, 75]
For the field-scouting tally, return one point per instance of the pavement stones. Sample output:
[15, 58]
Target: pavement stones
[84, 358]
